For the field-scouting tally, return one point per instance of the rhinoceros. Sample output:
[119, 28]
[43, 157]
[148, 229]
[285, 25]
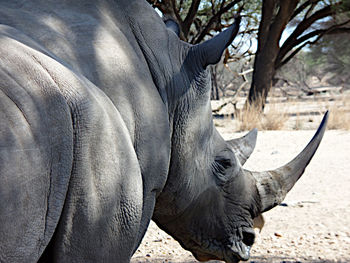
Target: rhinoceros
[105, 124]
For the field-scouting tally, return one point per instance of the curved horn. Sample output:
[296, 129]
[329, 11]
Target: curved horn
[274, 185]
[244, 146]
[210, 51]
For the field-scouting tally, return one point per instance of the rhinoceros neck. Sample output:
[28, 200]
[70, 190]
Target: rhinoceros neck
[191, 153]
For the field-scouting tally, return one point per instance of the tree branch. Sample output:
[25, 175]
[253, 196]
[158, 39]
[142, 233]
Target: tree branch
[186, 25]
[212, 7]
[180, 6]
[302, 7]
[336, 29]
[222, 4]
[286, 60]
[285, 11]
[213, 19]
[311, 8]
[302, 27]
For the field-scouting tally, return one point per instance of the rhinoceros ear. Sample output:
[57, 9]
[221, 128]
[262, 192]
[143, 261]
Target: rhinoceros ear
[172, 26]
[210, 51]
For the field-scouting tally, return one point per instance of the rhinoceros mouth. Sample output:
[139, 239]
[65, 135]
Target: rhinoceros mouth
[236, 252]
[232, 253]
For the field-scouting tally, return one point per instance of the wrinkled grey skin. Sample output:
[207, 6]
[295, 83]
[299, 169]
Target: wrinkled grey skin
[105, 123]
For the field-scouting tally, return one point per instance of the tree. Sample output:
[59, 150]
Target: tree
[331, 55]
[304, 19]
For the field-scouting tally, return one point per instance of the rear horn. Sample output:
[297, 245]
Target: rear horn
[244, 146]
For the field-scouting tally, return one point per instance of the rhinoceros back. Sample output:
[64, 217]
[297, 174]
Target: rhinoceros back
[67, 164]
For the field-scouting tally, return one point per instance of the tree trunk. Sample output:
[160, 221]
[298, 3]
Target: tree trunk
[275, 16]
[264, 72]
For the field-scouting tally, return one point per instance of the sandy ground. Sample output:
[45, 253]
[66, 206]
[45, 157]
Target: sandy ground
[314, 223]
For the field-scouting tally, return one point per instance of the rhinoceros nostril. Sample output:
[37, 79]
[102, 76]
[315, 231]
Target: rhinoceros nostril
[248, 238]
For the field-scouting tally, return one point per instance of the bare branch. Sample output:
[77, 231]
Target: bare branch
[212, 7]
[246, 72]
[190, 17]
[180, 5]
[280, 21]
[302, 27]
[302, 7]
[213, 19]
[311, 8]
[286, 60]
[222, 4]
[335, 29]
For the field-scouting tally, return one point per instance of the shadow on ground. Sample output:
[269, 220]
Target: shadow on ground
[252, 260]
[291, 260]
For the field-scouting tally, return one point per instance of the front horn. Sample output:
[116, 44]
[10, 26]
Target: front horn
[273, 186]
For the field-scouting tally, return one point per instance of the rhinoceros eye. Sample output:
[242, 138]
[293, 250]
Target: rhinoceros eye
[223, 163]
[222, 166]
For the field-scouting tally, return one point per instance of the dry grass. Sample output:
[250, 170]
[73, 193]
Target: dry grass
[274, 118]
[296, 114]
[298, 124]
[251, 117]
[339, 117]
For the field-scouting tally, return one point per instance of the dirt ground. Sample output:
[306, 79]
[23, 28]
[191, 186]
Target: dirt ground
[313, 225]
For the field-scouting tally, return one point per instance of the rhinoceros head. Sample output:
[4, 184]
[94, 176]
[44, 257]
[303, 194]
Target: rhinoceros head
[209, 201]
